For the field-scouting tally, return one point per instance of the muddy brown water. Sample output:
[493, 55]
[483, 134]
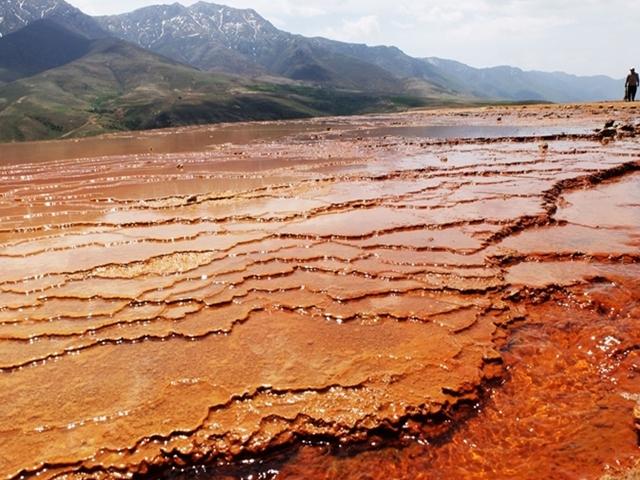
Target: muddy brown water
[296, 304]
[156, 142]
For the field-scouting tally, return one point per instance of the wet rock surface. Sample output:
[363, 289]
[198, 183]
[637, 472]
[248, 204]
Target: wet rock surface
[325, 299]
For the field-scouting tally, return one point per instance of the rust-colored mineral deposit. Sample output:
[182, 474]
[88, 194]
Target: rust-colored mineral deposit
[424, 295]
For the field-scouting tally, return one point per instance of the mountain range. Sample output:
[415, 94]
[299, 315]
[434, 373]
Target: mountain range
[77, 86]
[65, 73]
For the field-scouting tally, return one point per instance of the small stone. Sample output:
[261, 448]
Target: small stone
[608, 132]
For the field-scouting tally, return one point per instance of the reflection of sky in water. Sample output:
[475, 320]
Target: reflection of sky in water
[441, 159]
[471, 131]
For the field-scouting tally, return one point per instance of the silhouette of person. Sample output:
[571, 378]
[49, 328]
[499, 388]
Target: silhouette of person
[631, 85]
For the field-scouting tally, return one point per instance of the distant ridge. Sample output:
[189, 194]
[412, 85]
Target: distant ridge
[218, 38]
[516, 84]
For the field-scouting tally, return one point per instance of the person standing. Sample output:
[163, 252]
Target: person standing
[631, 85]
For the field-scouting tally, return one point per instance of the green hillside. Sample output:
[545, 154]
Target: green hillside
[119, 86]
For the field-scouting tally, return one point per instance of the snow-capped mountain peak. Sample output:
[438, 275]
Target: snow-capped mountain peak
[17, 14]
[154, 25]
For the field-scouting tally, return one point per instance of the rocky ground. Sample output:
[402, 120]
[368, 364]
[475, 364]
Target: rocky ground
[442, 294]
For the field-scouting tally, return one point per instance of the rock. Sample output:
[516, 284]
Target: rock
[627, 130]
[608, 133]
[609, 124]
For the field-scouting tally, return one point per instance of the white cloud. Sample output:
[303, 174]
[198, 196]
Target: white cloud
[304, 11]
[363, 29]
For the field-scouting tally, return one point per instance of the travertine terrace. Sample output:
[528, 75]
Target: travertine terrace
[446, 294]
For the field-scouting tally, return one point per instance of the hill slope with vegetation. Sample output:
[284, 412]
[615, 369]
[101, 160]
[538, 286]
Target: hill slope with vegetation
[119, 86]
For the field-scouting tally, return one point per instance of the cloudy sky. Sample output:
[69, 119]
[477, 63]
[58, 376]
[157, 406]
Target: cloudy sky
[577, 36]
